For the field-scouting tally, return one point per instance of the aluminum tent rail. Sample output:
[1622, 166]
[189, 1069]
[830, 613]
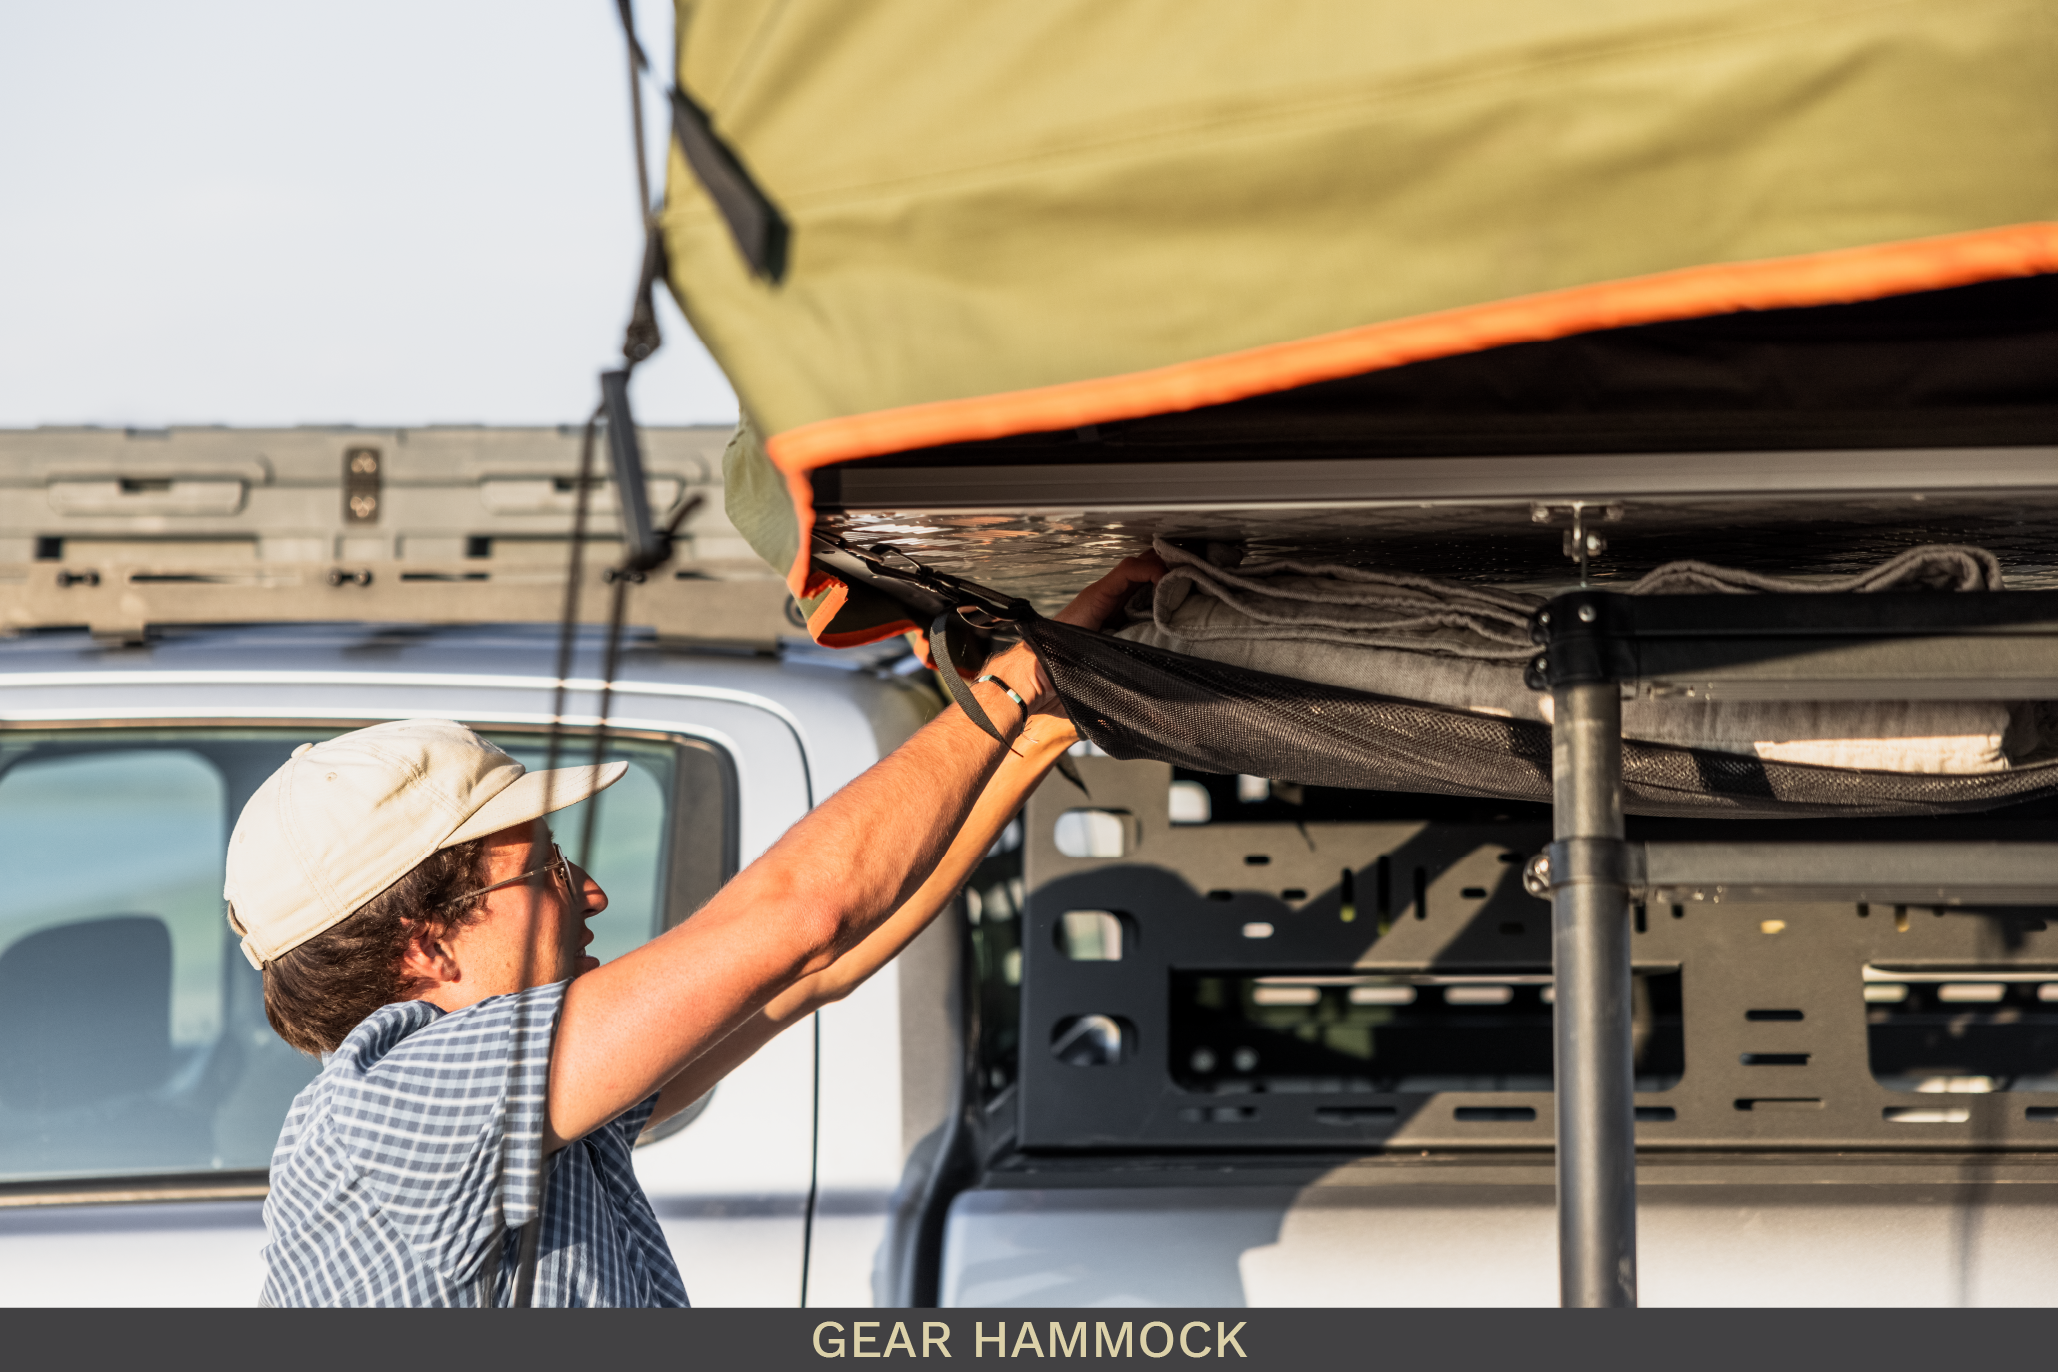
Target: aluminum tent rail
[1902, 873]
[1599, 647]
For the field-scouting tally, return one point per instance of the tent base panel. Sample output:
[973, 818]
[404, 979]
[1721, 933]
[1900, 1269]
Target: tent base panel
[1483, 521]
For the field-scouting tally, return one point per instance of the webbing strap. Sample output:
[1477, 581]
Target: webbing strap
[947, 668]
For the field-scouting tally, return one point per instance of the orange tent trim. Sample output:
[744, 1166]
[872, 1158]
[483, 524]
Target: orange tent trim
[1844, 276]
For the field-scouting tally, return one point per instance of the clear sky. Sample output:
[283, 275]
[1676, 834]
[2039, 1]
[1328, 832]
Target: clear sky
[380, 212]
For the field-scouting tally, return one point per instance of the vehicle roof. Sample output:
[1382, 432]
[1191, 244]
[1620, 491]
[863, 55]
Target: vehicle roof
[846, 708]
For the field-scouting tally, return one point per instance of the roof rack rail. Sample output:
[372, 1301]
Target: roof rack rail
[438, 525]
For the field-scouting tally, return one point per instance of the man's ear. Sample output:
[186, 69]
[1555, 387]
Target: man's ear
[426, 961]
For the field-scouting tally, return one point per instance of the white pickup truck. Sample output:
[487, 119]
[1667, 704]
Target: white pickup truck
[141, 1090]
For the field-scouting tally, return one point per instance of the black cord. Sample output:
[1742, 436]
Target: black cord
[575, 575]
[642, 337]
[607, 690]
[639, 341]
[638, 64]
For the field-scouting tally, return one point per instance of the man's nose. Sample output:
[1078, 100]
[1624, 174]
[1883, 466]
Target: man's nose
[593, 898]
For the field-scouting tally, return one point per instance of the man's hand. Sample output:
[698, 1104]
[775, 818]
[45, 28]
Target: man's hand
[1089, 610]
[1091, 607]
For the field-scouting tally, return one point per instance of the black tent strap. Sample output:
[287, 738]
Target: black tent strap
[760, 230]
[946, 653]
[1135, 701]
[922, 589]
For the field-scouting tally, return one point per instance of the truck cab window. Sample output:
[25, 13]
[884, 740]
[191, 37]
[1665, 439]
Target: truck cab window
[133, 1040]
[132, 1032]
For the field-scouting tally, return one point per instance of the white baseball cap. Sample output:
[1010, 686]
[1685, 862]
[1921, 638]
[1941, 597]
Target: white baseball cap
[343, 820]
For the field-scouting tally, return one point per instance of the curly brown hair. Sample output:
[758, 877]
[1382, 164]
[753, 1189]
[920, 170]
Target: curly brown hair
[317, 993]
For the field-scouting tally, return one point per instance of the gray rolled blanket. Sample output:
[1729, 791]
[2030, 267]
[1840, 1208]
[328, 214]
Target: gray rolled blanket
[1416, 638]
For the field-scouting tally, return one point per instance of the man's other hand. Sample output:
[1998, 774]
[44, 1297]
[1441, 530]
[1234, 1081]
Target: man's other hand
[1089, 610]
[1092, 606]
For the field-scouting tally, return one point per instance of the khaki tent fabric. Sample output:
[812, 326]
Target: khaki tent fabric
[1013, 218]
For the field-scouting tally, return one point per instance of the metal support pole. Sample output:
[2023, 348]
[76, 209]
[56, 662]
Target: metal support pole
[1590, 956]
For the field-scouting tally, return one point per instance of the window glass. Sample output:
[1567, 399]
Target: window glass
[132, 1032]
[137, 833]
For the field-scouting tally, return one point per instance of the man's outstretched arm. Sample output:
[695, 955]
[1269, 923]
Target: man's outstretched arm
[1036, 749]
[632, 1025]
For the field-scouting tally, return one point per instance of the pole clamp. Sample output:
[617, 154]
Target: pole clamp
[1584, 861]
[1586, 637]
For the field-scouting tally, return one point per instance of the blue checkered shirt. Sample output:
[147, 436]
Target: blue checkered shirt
[406, 1168]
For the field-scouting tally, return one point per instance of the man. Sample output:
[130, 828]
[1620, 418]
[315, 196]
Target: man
[468, 1140]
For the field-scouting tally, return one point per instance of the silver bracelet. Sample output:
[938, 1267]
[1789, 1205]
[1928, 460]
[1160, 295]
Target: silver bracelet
[1008, 689]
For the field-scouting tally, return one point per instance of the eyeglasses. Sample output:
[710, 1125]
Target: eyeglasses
[557, 867]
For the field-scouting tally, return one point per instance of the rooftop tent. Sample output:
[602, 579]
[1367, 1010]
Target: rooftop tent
[927, 240]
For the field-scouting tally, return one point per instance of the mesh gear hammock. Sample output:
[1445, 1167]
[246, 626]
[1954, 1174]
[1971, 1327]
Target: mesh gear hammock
[1136, 701]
